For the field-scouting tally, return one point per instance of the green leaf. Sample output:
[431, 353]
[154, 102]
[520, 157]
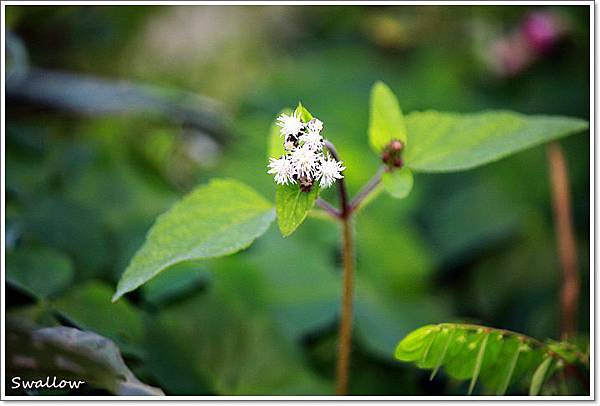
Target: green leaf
[71, 354]
[539, 377]
[444, 142]
[214, 220]
[398, 183]
[386, 121]
[121, 322]
[40, 272]
[292, 206]
[276, 149]
[468, 351]
[304, 114]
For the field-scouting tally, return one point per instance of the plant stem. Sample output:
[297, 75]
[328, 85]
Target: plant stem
[565, 238]
[345, 332]
[367, 189]
[325, 205]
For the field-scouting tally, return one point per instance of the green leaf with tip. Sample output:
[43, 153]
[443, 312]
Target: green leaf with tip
[386, 121]
[398, 183]
[303, 113]
[478, 363]
[293, 205]
[539, 376]
[217, 219]
[445, 142]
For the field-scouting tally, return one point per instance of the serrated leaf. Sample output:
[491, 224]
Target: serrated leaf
[467, 351]
[386, 121]
[398, 183]
[303, 113]
[293, 205]
[40, 272]
[275, 142]
[444, 142]
[71, 354]
[539, 376]
[214, 220]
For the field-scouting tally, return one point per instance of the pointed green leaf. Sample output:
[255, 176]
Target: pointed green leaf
[444, 142]
[478, 363]
[398, 183]
[275, 142]
[442, 356]
[293, 205]
[539, 376]
[509, 373]
[217, 219]
[386, 121]
[303, 113]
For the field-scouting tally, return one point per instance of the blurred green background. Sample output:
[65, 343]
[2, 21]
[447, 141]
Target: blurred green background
[113, 113]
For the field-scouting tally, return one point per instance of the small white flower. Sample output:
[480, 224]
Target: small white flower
[289, 145]
[290, 125]
[306, 161]
[330, 172]
[312, 140]
[315, 125]
[283, 170]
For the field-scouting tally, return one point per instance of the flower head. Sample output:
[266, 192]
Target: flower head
[315, 125]
[283, 170]
[330, 171]
[306, 161]
[290, 124]
[312, 140]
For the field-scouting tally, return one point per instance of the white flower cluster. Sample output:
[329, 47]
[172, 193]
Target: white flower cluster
[305, 160]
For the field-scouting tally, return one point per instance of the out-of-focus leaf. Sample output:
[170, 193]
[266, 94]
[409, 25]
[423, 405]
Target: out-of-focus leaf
[40, 272]
[242, 353]
[398, 183]
[217, 219]
[98, 96]
[386, 121]
[71, 354]
[69, 227]
[301, 277]
[180, 280]
[460, 222]
[293, 205]
[382, 318]
[89, 307]
[444, 142]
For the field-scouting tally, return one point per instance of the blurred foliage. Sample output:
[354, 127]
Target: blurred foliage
[83, 189]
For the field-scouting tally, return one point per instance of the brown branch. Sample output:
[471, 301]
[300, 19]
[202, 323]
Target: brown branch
[345, 335]
[565, 239]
